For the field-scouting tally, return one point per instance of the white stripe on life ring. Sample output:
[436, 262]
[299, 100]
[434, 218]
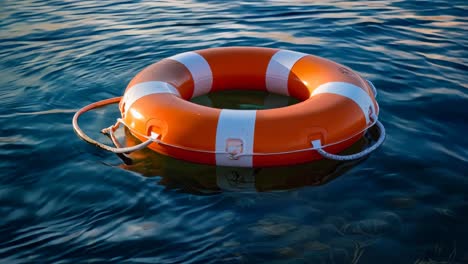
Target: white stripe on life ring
[146, 88]
[235, 133]
[199, 69]
[351, 91]
[278, 70]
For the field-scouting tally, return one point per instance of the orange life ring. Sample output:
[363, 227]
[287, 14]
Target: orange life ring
[337, 107]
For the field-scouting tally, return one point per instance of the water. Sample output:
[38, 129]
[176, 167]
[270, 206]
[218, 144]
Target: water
[64, 201]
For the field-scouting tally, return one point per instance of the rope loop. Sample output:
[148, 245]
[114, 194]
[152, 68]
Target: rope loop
[318, 146]
[109, 131]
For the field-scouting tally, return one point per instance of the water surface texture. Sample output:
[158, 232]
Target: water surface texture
[65, 201]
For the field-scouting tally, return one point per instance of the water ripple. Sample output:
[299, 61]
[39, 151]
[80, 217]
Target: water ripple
[63, 201]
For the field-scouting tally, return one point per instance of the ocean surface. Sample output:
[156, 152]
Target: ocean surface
[65, 201]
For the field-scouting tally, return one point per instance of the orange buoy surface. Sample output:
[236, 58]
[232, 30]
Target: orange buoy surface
[337, 107]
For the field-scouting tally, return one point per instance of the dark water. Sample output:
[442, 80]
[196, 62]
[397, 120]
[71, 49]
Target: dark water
[64, 201]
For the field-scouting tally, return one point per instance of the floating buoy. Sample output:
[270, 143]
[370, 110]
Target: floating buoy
[336, 109]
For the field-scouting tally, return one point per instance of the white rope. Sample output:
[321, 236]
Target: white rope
[154, 138]
[110, 130]
[373, 88]
[317, 145]
[119, 149]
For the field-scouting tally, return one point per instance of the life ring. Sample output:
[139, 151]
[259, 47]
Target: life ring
[337, 107]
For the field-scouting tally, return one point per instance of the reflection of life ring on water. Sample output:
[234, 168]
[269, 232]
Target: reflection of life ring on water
[337, 108]
[201, 178]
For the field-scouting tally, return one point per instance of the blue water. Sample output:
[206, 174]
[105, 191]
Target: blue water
[65, 201]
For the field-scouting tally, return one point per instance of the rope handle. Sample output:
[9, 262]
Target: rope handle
[154, 138]
[373, 87]
[317, 145]
[110, 130]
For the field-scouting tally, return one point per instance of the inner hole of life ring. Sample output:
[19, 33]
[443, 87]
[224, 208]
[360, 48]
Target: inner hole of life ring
[244, 100]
